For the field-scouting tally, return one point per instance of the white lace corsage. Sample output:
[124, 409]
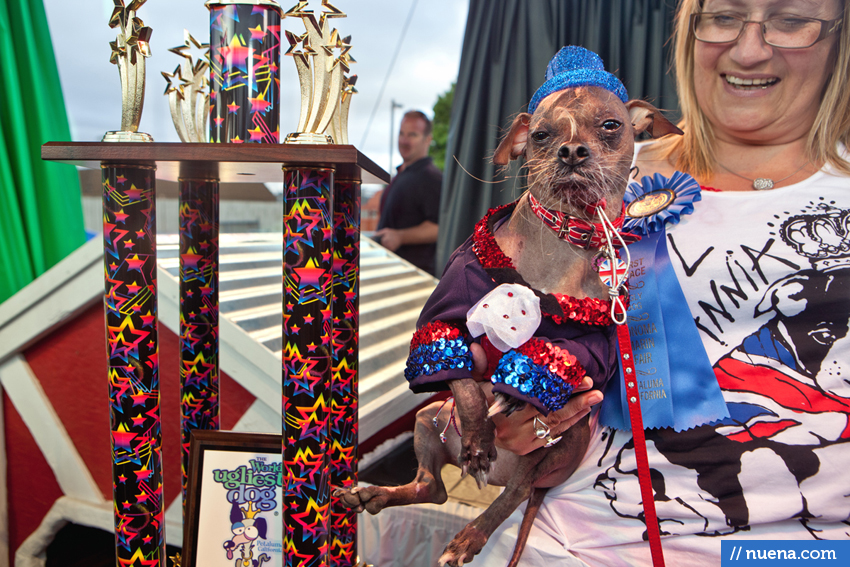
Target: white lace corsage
[509, 315]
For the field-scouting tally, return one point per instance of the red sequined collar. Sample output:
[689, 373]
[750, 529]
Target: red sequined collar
[589, 310]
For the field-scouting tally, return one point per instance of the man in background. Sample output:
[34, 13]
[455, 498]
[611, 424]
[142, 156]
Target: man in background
[410, 205]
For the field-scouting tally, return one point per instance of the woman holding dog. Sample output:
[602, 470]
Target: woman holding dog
[764, 263]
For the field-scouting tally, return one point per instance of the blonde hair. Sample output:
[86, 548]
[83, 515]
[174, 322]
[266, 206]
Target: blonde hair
[693, 152]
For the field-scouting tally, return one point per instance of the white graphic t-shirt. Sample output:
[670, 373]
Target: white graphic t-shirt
[767, 281]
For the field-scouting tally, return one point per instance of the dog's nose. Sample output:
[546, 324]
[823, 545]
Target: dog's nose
[573, 154]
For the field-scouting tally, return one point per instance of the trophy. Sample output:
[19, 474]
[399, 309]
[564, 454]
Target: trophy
[129, 51]
[188, 99]
[189, 102]
[130, 305]
[322, 59]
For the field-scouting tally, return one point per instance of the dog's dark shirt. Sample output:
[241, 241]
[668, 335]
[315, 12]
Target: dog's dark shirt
[465, 281]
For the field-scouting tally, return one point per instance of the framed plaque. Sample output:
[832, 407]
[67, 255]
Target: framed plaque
[234, 496]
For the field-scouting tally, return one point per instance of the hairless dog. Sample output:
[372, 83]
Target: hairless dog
[539, 255]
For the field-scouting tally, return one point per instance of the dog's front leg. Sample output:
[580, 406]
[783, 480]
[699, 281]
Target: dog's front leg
[471, 539]
[542, 468]
[478, 447]
[431, 455]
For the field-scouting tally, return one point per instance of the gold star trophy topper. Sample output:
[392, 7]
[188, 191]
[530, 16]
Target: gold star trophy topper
[322, 60]
[129, 51]
[186, 89]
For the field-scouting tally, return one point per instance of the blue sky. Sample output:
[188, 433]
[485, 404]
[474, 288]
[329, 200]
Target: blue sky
[426, 66]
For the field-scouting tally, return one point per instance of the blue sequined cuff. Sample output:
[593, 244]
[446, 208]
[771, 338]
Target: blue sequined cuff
[435, 347]
[540, 370]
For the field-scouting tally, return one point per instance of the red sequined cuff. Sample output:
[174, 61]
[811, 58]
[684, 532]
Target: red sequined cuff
[434, 331]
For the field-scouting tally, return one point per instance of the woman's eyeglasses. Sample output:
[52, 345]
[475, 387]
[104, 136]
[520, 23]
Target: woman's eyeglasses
[788, 32]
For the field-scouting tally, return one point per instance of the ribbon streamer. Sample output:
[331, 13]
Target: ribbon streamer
[679, 389]
[678, 385]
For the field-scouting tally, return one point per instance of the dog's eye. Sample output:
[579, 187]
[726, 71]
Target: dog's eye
[540, 136]
[611, 125]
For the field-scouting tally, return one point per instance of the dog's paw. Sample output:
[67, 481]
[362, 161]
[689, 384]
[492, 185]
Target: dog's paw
[476, 457]
[350, 498]
[373, 499]
[466, 545]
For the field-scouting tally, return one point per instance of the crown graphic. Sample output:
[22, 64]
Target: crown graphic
[248, 512]
[823, 236]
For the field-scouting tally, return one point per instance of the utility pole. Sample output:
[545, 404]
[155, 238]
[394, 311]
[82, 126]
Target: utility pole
[393, 106]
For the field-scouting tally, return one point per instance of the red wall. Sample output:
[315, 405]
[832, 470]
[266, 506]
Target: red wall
[70, 364]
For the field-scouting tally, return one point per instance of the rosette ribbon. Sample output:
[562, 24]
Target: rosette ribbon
[677, 384]
[657, 201]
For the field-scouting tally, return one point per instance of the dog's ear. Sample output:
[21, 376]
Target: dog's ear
[788, 293]
[513, 145]
[236, 514]
[647, 118]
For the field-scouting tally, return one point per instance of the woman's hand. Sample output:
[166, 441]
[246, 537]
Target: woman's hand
[517, 432]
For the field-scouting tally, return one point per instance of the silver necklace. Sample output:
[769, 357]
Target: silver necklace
[764, 183]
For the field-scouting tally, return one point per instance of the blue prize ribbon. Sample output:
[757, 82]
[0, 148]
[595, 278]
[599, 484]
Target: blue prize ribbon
[677, 383]
[649, 346]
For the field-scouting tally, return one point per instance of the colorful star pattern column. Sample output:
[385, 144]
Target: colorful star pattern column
[199, 366]
[244, 72]
[129, 237]
[343, 428]
[307, 359]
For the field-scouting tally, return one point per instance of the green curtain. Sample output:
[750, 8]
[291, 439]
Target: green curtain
[506, 48]
[41, 216]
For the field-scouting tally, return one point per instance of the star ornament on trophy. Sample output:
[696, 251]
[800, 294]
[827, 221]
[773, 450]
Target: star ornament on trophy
[187, 91]
[322, 58]
[129, 51]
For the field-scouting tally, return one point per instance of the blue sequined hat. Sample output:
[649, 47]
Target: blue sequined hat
[575, 66]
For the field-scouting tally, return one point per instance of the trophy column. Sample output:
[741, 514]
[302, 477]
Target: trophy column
[346, 310]
[199, 288]
[130, 304]
[307, 359]
[326, 92]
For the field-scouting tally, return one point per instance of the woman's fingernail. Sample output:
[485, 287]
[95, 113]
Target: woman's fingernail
[594, 398]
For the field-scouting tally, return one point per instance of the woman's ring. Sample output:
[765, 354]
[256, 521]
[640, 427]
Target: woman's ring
[541, 430]
[550, 441]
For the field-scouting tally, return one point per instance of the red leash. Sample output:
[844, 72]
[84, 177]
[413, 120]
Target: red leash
[613, 275]
[646, 492]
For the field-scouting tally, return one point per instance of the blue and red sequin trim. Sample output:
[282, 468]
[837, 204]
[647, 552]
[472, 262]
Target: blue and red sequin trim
[541, 370]
[437, 346]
